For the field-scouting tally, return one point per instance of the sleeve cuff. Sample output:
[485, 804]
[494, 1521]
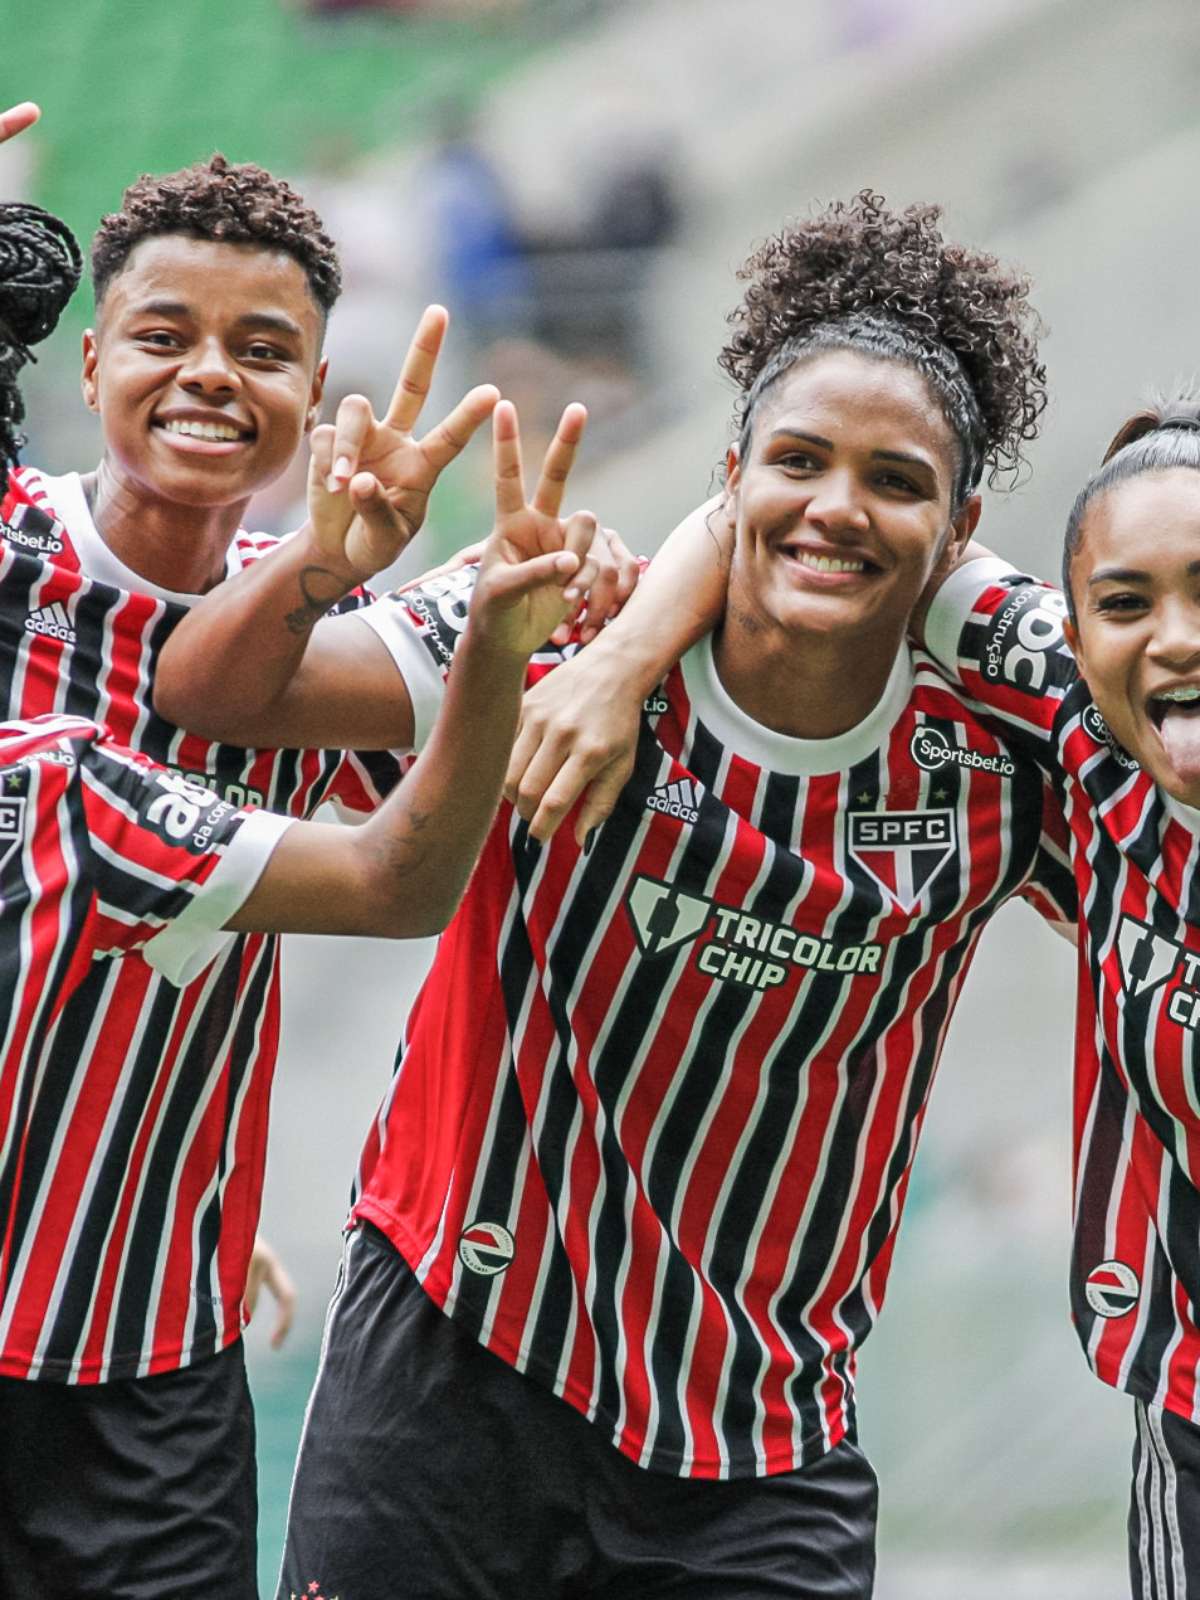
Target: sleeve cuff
[954, 602]
[416, 666]
[194, 938]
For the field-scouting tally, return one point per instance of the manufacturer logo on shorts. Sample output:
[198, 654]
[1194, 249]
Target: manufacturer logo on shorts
[744, 949]
[30, 529]
[680, 799]
[933, 749]
[52, 621]
[1112, 1289]
[486, 1248]
[903, 850]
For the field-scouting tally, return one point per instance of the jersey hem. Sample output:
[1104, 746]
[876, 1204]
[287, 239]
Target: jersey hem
[668, 1463]
[117, 1368]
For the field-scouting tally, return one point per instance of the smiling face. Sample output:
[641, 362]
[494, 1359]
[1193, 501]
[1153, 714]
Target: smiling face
[1135, 578]
[205, 369]
[843, 504]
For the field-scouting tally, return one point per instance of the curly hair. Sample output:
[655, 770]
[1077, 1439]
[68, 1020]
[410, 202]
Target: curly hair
[40, 265]
[857, 275]
[223, 201]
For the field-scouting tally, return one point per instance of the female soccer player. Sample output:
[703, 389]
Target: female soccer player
[124, 1244]
[655, 1162]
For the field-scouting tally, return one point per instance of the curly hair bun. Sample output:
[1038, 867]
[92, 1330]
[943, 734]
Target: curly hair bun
[40, 266]
[859, 260]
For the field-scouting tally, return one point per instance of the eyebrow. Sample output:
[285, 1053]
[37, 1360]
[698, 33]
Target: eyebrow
[1131, 574]
[268, 321]
[876, 455]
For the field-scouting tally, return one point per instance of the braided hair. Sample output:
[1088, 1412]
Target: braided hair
[40, 264]
[857, 276]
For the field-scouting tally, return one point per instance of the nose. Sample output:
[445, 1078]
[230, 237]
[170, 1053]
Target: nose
[835, 504]
[208, 370]
[1175, 641]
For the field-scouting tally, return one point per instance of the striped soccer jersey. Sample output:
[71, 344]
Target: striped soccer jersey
[129, 1234]
[652, 1126]
[1135, 1268]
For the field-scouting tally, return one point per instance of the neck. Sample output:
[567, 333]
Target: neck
[173, 546]
[806, 686]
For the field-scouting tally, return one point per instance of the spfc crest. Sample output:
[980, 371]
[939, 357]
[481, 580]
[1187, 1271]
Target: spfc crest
[903, 850]
[12, 824]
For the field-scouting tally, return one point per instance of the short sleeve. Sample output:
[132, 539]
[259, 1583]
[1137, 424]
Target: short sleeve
[1000, 635]
[170, 862]
[420, 627]
[1050, 887]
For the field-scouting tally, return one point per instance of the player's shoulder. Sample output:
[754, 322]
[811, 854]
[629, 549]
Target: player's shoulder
[31, 521]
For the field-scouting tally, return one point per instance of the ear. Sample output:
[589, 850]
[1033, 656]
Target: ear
[963, 526]
[1071, 635]
[88, 381]
[733, 471]
[315, 395]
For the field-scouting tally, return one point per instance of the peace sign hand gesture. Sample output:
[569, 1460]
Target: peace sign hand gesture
[534, 567]
[389, 472]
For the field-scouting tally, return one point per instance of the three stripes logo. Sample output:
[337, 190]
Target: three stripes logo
[679, 799]
[1112, 1289]
[52, 621]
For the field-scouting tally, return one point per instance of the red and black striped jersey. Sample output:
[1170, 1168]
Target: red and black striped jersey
[652, 1126]
[151, 1267]
[1135, 1270]
[101, 854]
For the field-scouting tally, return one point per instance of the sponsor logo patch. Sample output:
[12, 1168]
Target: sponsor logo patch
[1112, 1289]
[1095, 726]
[1020, 637]
[51, 621]
[656, 705]
[903, 850]
[680, 799]
[486, 1248]
[12, 824]
[932, 748]
[29, 528]
[744, 949]
[1149, 960]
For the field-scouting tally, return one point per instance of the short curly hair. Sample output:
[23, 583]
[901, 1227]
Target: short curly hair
[856, 275]
[229, 202]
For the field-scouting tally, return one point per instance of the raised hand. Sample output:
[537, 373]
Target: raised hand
[388, 471]
[534, 567]
[17, 118]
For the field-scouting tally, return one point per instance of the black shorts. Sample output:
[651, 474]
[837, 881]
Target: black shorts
[429, 1468]
[1164, 1507]
[133, 1490]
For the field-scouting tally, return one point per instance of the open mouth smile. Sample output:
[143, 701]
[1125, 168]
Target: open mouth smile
[1181, 701]
[828, 568]
[209, 437]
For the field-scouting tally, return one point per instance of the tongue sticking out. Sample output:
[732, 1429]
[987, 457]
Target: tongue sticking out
[1180, 734]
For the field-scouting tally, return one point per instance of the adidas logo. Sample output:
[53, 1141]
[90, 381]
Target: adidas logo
[51, 620]
[680, 799]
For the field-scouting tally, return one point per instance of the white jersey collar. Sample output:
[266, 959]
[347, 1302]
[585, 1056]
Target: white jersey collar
[777, 752]
[96, 560]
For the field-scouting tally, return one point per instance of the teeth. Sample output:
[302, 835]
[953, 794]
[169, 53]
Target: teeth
[1181, 696]
[203, 430]
[827, 563]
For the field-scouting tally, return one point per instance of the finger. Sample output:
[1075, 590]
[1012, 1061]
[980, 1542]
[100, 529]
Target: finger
[450, 437]
[555, 566]
[561, 792]
[629, 568]
[389, 530]
[601, 602]
[460, 558]
[506, 455]
[351, 425]
[560, 456]
[525, 746]
[279, 1281]
[17, 118]
[416, 372]
[601, 796]
[320, 446]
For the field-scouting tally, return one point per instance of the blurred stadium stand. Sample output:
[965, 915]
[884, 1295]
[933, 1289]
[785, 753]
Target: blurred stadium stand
[1064, 134]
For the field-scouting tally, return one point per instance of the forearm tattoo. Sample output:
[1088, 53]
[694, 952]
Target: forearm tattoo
[321, 590]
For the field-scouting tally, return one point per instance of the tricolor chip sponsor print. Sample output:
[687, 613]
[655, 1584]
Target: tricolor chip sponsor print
[651, 1133]
[1136, 1259]
[128, 1227]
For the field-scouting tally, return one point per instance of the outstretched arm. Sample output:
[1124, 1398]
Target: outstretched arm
[254, 663]
[403, 872]
[579, 725]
